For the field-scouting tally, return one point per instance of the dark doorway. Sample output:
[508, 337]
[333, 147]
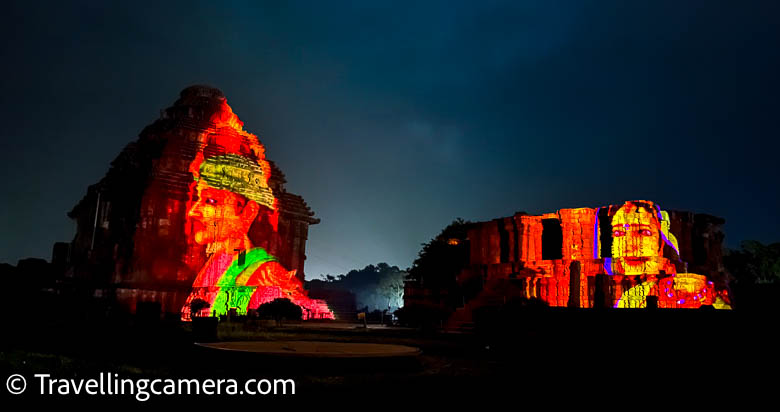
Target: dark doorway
[552, 239]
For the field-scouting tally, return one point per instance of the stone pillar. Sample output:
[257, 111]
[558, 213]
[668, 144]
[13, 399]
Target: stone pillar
[616, 283]
[527, 288]
[601, 296]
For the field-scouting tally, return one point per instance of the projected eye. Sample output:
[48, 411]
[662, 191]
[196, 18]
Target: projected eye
[618, 233]
[645, 232]
[211, 201]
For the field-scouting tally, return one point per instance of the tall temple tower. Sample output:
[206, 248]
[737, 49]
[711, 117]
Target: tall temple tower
[132, 233]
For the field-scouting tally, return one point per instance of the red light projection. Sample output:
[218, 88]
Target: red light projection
[194, 208]
[643, 253]
[642, 250]
[229, 193]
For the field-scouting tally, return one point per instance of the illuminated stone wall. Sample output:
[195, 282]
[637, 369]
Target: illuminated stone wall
[145, 234]
[640, 250]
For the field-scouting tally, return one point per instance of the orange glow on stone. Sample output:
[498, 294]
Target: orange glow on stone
[231, 193]
[633, 245]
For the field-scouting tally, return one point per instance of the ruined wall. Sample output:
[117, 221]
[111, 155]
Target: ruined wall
[133, 233]
[642, 251]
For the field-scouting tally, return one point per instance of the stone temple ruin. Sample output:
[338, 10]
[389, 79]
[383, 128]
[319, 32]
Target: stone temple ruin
[193, 206]
[632, 255]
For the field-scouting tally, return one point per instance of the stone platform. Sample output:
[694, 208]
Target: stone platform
[316, 349]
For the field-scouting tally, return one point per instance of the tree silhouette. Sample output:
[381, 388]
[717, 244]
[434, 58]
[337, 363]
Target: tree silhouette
[280, 308]
[197, 305]
[754, 263]
[441, 259]
[376, 287]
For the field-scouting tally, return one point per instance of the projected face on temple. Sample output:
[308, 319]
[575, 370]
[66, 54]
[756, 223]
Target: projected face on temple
[220, 215]
[636, 240]
[229, 193]
[234, 213]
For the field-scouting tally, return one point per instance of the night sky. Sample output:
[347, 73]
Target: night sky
[393, 119]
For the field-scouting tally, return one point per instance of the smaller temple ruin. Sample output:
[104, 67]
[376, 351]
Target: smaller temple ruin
[632, 255]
